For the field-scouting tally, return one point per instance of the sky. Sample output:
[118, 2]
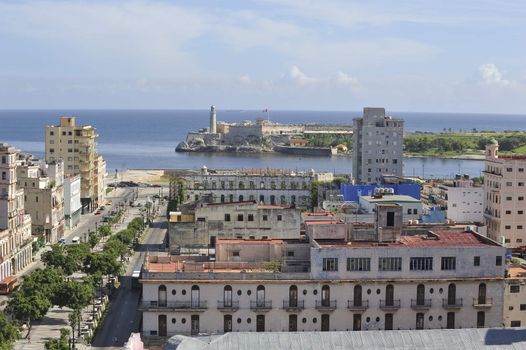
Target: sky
[404, 55]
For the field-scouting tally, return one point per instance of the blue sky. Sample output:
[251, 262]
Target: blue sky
[436, 56]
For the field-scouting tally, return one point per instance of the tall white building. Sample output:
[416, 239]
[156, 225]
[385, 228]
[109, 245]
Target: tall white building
[76, 146]
[505, 197]
[377, 146]
[15, 224]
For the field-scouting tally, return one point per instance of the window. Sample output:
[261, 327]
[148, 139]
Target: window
[509, 183]
[520, 212]
[250, 217]
[280, 217]
[509, 170]
[415, 211]
[330, 264]
[390, 264]
[235, 253]
[239, 217]
[409, 211]
[521, 184]
[476, 261]
[515, 289]
[521, 198]
[508, 212]
[227, 217]
[421, 264]
[51, 133]
[508, 198]
[448, 263]
[498, 260]
[265, 217]
[519, 227]
[521, 170]
[515, 323]
[290, 253]
[358, 264]
[390, 219]
[507, 227]
[4, 175]
[523, 307]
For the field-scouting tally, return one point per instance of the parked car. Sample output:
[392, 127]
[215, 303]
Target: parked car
[62, 241]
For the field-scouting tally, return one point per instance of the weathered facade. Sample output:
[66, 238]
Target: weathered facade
[377, 146]
[505, 197]
[75, 145]
[272, 187]
[43, 197]
[210, 222]
[15, 224]
[440, 279]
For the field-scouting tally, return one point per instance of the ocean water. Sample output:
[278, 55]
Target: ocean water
[146, 139]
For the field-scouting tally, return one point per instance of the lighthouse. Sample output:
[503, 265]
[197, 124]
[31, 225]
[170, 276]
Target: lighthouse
[213, 121]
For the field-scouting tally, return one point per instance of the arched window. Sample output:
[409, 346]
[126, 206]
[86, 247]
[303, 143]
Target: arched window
[451, 294]
[357, 297]
[260, 296]
[227, 296]
[194, 296]
[482, 293]
[241, 198]
[325, 295]
[293, 296]
[161, 295]
[420, 294]
[389, 295]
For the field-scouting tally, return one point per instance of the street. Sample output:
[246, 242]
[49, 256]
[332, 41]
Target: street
[123, 316]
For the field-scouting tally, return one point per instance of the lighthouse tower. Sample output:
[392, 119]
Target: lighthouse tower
[213, 120]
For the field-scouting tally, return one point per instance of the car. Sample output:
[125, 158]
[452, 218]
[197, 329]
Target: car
[62, 241]
[75, 240]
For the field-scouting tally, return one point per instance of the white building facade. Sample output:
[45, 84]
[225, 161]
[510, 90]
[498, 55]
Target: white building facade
[446, 279]
[505, 197]
[72, 206]
[15, 224]
[263, 186]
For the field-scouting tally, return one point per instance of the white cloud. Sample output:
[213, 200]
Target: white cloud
[299, 77]
[245, 79]
[491, 75]
[345, 79]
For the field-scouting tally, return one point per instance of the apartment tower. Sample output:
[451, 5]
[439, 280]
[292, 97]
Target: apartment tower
[377, 146]
[504, 197]
[75, 145]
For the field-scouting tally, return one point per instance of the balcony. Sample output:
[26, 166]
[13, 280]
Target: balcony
[293, 305]
[482, 303]
[174, 305]
[326, 305]
[231, 306]
[361, 305]
[420, 304]
[260, 305]
[389, 304]
[451, 304]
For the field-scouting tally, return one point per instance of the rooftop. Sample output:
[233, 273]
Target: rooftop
[437, 239]
[390, 198]
[452, 339]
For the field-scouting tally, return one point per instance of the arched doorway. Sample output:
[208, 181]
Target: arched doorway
[161, 295]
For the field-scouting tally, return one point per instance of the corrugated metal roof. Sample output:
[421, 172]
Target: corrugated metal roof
[450, 339]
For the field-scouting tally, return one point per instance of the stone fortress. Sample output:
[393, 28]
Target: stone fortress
[260, 135]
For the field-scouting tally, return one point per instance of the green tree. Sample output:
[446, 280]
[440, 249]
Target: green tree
[59, 344]
[103, 264]
[27, 308]
[115, 247]
[105, 230]
[8, 333]
[75, 295]
[46, 282]
[75, 317]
